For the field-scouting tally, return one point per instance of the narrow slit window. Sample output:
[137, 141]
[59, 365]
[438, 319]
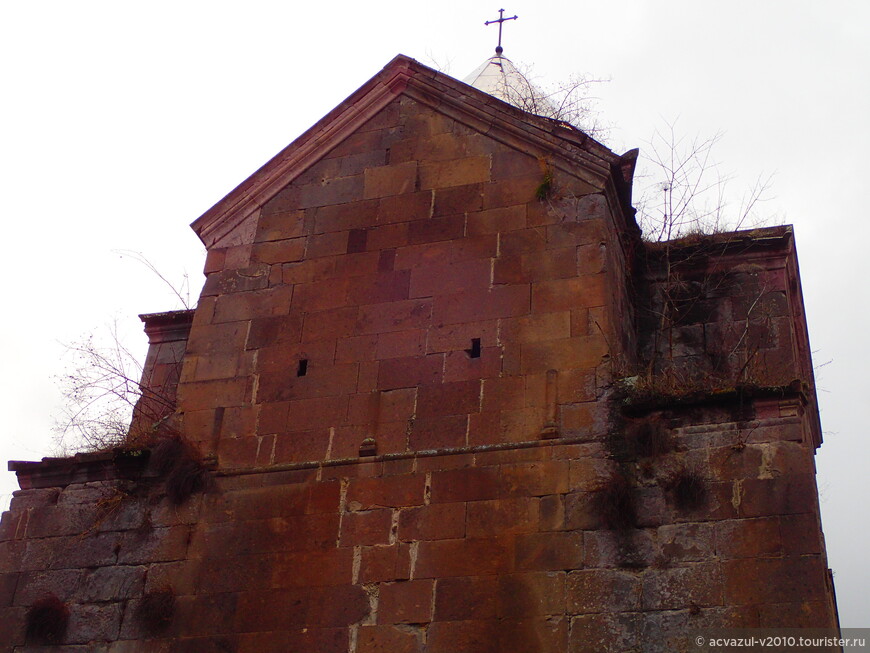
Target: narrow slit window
[302, 370]
[474, 352]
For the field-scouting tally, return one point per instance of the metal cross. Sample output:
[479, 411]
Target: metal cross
[501, 19]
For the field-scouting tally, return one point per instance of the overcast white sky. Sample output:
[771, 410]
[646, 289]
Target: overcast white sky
[120, 123]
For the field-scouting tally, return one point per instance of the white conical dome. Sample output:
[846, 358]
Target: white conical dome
[499, 77]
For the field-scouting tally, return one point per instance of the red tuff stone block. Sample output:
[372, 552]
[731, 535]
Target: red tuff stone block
[463, 598]
[285, 200]
[458, 337]
[386, 260]
[602, 590]
[321, 412]
[536, 327]
[507, 192]
[255, 277]
[481, 304]
[777, 496]
[379, 288]
[238, 452]
[468, 484]
[386, 236]
[367, 528]
[535, 479]
[401, 344]
[279, 251]
[267, 610]
[397, 405]
[356, 241]
[524, 241]
[244, 306]
[312, 568]
[339, 605]
[282, 357]
[567, 294]
[773, 580]
[409, 372]
[460, 366]
[458, 172]
[384, 563]
[549, 551]
[212, 394]
[333, 324]
[300, 446]
[368, 376]
[748, 538]
[280, 226]
[443, 558]
[386, 639]
[390, 491]
[357, 264]
[432, 522]
[577, 353]
[801, 534]
[390, 180]
[510, 163]
[439, 147]
[320, 380]
[405, 208]
[405, 602]
[355, 349]
[308, 271]
[500, 220]
[439, 433]
[532, 593]
[480, 636]
[320, 295]
[502, 516]
[442, 279]
[268, 331]
[296, 638]
[525, 268]
[458, 199]
[468, 248]
[806, 614]
[502, 393]
[435, 230]
[214, 261]
[448, 399]
[327, 244]
[339, 190]
[681, 587]
[342, 217]
[217, 338]
[394, 316]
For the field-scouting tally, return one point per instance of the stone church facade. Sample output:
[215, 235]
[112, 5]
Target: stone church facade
[439, 395]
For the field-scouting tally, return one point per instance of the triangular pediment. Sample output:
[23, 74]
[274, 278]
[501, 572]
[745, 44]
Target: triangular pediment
[568, 149]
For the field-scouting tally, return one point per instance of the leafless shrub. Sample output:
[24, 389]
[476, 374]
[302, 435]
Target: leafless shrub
[615, 505]
[689, 490]
[570, 102]
[156, 609]
[686, 192]
[176, 459]
[47, 620]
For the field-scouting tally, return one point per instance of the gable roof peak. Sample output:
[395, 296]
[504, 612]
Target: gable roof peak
[499, 77]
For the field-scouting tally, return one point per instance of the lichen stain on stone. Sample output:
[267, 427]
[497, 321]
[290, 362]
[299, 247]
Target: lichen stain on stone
[737, 495]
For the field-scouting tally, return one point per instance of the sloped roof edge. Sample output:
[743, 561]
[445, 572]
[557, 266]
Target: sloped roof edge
[441, 92]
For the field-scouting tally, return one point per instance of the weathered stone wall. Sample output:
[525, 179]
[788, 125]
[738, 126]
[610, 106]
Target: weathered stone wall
[402, 384]
[379, 267]
[481, 551]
